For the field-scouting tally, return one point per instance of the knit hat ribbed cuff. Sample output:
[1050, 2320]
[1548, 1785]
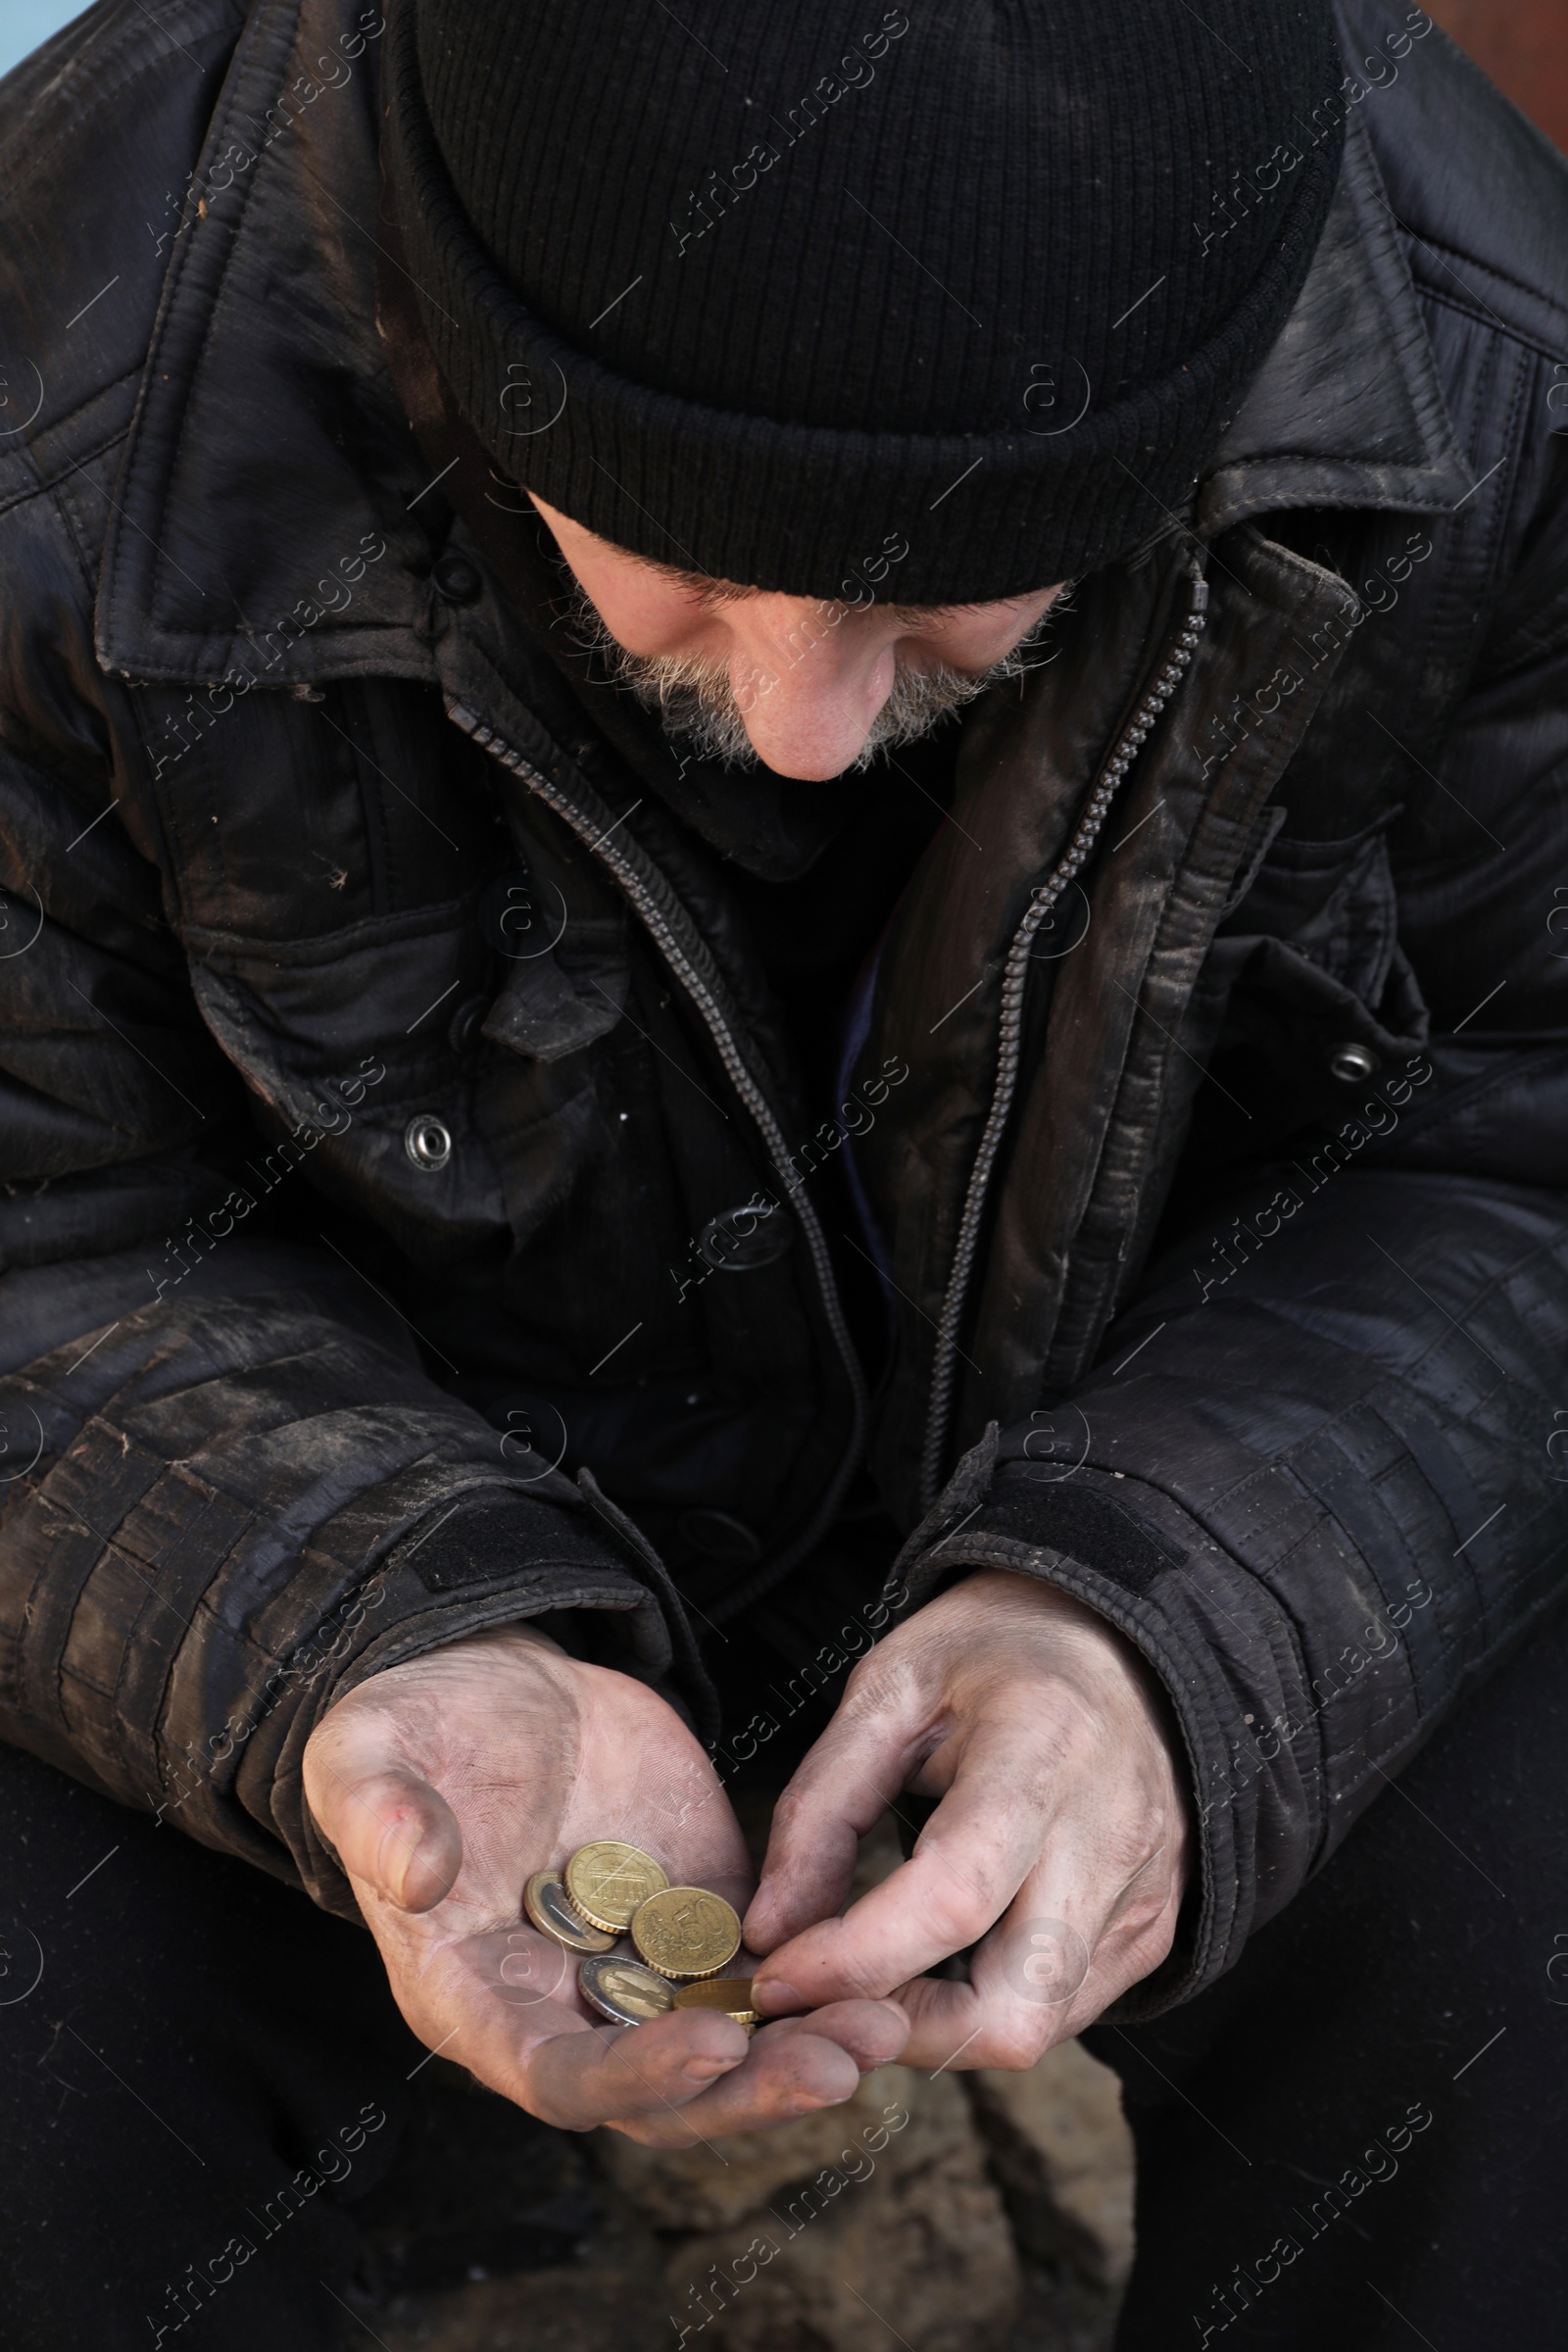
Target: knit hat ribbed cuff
[804, 508]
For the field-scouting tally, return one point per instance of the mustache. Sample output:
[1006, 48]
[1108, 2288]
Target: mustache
[695, 701]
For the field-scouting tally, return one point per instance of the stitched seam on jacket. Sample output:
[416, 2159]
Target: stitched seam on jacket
[1488, 322]
[1478, 1667]
[1450, 252]
[82, 104]
[41, 487]
[171, 298]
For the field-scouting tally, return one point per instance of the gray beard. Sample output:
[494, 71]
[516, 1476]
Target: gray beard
[695, 701]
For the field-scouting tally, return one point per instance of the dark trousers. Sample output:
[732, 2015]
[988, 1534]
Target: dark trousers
[1358, 2138]
[199, 2072]
[1356, 2141]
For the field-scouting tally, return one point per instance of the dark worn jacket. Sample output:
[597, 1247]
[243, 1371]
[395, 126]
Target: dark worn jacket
[396, 1119]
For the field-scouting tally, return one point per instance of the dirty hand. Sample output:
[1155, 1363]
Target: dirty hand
[444, 1784]
[1060, 1838]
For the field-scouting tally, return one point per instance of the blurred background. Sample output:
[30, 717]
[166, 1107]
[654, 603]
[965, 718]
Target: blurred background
[1522, 45]
[23, 23]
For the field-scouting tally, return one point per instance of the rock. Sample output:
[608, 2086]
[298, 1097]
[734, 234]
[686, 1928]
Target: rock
[891, 2217]
[1062, 2154]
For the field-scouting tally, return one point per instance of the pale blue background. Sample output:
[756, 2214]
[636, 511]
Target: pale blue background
[23, 23]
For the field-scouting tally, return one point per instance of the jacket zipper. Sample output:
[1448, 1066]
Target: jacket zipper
[1010, 1039]
[687, 960]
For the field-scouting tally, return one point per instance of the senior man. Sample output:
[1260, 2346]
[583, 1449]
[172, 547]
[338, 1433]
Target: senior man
[783, 848]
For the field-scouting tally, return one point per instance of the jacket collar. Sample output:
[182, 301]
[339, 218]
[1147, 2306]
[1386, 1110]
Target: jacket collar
[1347, 411]
[269, 455]
[269, 451]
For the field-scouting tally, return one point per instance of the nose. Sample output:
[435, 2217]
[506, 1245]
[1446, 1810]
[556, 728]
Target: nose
[809, 692]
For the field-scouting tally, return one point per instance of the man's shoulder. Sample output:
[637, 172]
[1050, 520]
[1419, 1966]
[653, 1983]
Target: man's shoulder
[100, 130]
[1480, 194]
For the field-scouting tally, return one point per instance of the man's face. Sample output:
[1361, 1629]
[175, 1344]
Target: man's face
[808, 688]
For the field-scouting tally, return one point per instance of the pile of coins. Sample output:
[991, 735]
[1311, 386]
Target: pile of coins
[683, 1935]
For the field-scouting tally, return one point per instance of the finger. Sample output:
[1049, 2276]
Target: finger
[670, 2070]
[871, 2033]
[1025, 1993]
[507, 2005]
[599, 2074]
[840, 1790]
[1033, 1979]
[1039, 1977]
[392, 1832]
[989, 2022]
[784, 2078]
[970, 1859]
[670, 2086]
[948, 2028]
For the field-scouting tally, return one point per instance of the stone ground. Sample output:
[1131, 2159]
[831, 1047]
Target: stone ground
[939, 2213]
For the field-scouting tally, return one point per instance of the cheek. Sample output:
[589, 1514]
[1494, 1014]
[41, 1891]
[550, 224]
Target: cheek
[975, 640]
[645, 614]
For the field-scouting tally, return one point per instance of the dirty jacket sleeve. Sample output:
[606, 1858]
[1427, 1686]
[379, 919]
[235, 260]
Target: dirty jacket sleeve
[1319, 1475]
[229, 1489]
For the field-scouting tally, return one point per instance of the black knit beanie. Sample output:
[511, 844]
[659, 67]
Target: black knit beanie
[774, 289]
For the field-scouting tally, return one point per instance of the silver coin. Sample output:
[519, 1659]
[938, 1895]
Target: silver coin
[625, 1991]
[548, 1905]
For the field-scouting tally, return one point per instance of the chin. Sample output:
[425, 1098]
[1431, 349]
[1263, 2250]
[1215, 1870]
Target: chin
[803, 772]
[803, 765]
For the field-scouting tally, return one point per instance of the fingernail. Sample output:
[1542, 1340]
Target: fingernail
[704, 2069]
[776, 1993]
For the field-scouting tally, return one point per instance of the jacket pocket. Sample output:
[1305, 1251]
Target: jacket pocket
[1315, 960]
[343, 1041]
[1333, 901]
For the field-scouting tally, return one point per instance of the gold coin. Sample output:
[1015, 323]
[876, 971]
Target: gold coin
[607, 1880]
[544, 1898]
[686, 1931]
[730, 1994]
[625, 1991]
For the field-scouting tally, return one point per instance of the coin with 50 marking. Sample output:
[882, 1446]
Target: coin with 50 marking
[686, 1931]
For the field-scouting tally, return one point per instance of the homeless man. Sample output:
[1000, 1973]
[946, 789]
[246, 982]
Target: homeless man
[784, 864]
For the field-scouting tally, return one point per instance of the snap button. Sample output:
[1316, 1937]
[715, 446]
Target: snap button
[464, 1033]
[1352, 1064]
[427, 1141]
[719, 1536]
[738, 1240]
[457, 579]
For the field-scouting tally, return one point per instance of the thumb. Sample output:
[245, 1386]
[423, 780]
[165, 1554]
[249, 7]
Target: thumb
[392, 1831]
